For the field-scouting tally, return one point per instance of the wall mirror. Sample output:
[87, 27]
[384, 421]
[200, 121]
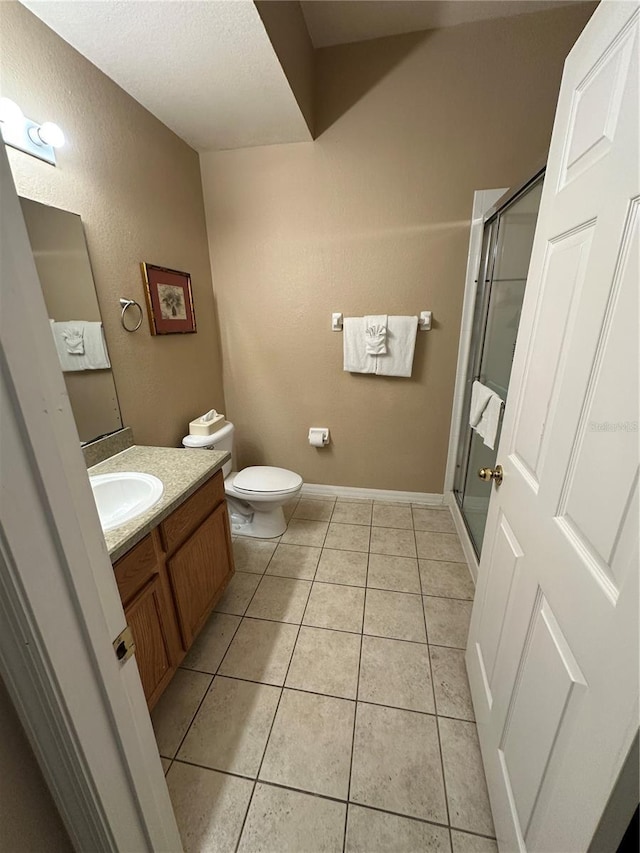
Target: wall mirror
[62, 260]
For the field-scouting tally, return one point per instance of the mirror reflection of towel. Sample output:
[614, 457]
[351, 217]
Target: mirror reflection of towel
[73, 337]
[94, 356]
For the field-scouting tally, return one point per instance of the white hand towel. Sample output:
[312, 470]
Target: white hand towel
[356, 359]
[95, 355]
[480, 396]
[401, 344]
[484, 413]
[376, 334]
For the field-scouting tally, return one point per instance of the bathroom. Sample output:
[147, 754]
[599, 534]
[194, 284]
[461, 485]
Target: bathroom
[369, 210]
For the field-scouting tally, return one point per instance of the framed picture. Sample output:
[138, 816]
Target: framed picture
[169, 300]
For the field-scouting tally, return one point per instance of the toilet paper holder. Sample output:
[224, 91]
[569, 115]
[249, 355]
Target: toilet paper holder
[319, 436]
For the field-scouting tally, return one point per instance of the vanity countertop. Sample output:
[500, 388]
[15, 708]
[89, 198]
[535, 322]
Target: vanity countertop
[181, 470]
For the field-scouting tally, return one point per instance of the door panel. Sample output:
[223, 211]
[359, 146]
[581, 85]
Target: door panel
[555, 687]
[592, 502]
[540, 703]
[596, 108]
[503, 567]
[565, 265]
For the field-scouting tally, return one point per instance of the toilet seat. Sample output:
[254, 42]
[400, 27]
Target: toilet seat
[260, 479]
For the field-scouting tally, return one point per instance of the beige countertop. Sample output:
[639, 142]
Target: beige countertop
[182, 471]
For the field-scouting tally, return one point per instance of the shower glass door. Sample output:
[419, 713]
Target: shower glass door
[506, 251]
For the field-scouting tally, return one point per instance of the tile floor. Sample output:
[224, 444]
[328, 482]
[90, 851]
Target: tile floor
[325, 706]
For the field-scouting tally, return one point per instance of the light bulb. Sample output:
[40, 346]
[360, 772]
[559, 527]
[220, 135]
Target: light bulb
[51, 134]
[10, 112]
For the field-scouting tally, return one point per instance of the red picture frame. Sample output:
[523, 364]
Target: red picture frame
[169, 300]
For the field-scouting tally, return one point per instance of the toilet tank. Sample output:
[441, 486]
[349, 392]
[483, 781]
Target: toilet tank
[223, 440]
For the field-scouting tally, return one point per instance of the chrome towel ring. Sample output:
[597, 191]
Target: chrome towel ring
[126, 304]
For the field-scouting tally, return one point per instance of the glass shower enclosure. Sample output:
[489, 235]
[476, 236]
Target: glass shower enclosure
[502, 275]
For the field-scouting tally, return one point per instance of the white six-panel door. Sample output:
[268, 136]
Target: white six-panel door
[553, 645]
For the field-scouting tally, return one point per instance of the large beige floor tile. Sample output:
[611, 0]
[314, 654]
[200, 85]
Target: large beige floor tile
[392, 515]
[314, 509]
[396, 763]
[294, 561]
[370, 831]
[252, 555]
[281, 821]
[335, 606]
[209, 807]
[447, 621]
[281, 599]
[310, 744]
[232, 726]
[346, 512]
[175, 710]
[439, 546]
[348, 567]
[397, 615]
[394, 542]
[453, 698]
[436, 520]
[236, 597]
[212, 643]
[260, 651]
[395, 573]
[348, 537]
[465, 843]
[466, 787]
[396, 673]
[325, 662]
[301, 532]
[449, 580]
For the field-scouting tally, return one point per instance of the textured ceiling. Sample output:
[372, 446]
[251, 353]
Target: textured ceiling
[206, 69]
[343, 21]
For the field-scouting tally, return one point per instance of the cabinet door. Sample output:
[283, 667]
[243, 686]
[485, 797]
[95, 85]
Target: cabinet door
[150, 621]
[199, 571]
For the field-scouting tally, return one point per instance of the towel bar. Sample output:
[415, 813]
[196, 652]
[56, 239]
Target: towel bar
[424, 321]
[129, 303]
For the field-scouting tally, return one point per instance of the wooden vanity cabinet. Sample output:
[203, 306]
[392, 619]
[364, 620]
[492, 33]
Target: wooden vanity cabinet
[199, 570]
[170, 582]
[149, 610]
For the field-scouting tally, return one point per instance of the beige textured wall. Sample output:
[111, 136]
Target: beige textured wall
[29, 819]
[137, 188]
[372, 217]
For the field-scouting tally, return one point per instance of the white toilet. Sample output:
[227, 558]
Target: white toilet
[255, 495]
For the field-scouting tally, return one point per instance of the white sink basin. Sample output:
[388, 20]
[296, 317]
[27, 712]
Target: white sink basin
[124, 496]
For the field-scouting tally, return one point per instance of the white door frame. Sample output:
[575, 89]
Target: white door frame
[84, 713]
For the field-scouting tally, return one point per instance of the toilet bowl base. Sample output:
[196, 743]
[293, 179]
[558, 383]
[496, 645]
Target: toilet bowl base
[259, 525]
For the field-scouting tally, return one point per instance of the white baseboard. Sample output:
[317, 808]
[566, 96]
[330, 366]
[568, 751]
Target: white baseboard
[318, 490]
[465, 539]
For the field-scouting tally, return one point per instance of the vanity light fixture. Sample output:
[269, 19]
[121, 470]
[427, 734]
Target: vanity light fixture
[19, 132]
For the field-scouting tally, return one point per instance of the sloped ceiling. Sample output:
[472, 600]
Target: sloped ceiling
[206, 69]
[333, 22]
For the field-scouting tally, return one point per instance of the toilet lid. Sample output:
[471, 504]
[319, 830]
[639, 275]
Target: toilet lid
[264, 478]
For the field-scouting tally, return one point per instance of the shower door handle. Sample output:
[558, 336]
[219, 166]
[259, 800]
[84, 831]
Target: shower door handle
[489, 474]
